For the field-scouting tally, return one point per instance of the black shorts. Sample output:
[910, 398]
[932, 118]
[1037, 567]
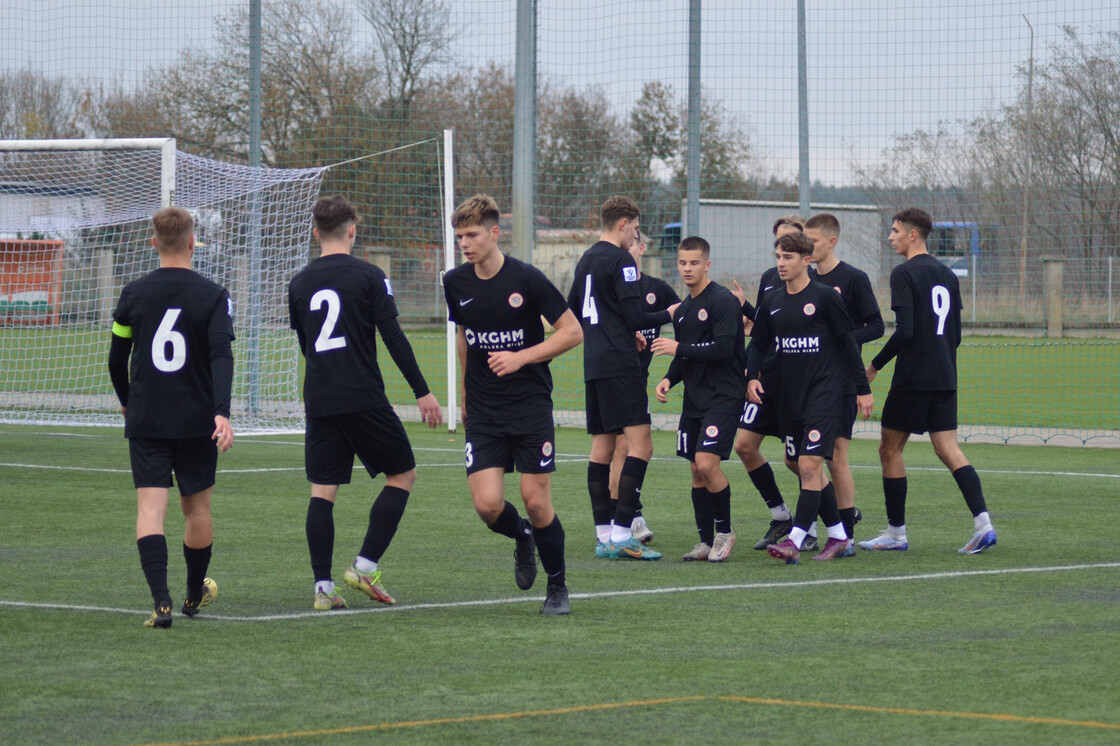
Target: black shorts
[920, 411]
[616, 403]
[813, 437]
[849, 410]
[193, 460]
[376, 436]
[759, 418]
[712, 432]
[527, 443]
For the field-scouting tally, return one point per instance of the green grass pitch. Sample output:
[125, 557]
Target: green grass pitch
[1020, 645]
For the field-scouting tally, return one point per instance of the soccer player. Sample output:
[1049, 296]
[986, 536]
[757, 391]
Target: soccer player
[337, 304]
[497, 302]
[758, 419]
[656, 295]
[709, 357]
[859, 299]
[604, 296]
[926, 299]
[171, 365]
[805, 323]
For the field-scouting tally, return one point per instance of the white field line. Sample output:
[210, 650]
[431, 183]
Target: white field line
[781, 585]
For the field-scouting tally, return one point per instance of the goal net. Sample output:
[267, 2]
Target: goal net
[75, 228]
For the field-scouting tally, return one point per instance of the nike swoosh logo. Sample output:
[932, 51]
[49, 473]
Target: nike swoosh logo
[545, 462]
[809, 448]
[709, 442]
[767, 288]
[465, 302]
[774, 311]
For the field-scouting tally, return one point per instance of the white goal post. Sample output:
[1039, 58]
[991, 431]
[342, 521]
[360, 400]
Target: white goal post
[74, 228]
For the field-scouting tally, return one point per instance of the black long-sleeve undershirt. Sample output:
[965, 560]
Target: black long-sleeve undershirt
[636, 319]
[119, 350]
[903, 333]
[401, 352]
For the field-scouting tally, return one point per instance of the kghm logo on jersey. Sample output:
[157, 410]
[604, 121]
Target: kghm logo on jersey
[702, 314]
[651, 298]
[814, 436]
[546, 449]
[809, 309]
[797, 344]
[505, 339]
[515, 300]
[711, 431]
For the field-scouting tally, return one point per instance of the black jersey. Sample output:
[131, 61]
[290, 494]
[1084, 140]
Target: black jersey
[932, 293]
[855, 290]
[604, 277]
[503, 313]
[334, 304]
[810, 334]
[769, 281]
[711, 354]
[179, 322]
[656, 295]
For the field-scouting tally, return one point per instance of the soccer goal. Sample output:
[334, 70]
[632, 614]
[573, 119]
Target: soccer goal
[74, 229]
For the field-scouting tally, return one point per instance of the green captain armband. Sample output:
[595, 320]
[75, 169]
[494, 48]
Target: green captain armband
[122, 331]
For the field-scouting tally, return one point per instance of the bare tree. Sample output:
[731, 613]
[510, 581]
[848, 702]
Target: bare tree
[36, 106]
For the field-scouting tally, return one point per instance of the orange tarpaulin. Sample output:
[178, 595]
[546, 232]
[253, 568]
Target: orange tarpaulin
[30, 281]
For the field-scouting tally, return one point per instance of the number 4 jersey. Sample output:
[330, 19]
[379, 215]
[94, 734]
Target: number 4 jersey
[335, 303]
[179, 323]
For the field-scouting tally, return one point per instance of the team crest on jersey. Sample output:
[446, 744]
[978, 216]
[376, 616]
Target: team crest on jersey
[515, 300]
[809, 309]
[702, 314]
[711, 431]
[814, 436]
[630, 274]
[651, 298]
[546, 449]
[388, 287]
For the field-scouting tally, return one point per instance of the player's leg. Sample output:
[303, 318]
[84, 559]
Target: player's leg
[748, 443]
[903, 413]
[717, 433]
[196, 463]
[598, 468]
[948, 450]
[328, 463]
[688, 431]
[623, 544]
[638, 527]
[548, 532]
[378, 438]
[840, 472]
[151, 462]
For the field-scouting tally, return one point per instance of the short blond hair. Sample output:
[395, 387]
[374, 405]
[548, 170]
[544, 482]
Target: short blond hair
[481, 209]
[172, 228]
[795, 220]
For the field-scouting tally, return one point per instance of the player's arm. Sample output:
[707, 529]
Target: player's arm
[220, 337]
[725, 321]
[294, 322]
[903, 333]
[636, 319]
[568, 333]
[401, 351]
[120, 347]
[870, 326]
[672, 378]
[461, 351]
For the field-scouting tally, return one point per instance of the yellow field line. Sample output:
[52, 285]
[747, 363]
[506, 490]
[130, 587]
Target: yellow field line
[1001, 717]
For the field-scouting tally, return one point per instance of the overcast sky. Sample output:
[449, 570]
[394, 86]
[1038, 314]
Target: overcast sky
[877, 68]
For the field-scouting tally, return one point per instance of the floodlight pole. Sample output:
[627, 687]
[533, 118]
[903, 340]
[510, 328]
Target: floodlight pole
[802, 113]
[692, 194]
[448, 265]
[525, 132]
[256, 253]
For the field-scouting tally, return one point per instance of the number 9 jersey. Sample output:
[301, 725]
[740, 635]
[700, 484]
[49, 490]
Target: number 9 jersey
[932, 293]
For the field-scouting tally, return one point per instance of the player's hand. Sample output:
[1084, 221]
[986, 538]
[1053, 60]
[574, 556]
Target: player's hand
[748, 324]
[871, 373]
[673, 309]
[640, 340]
[124, 411]
[223, 433]
[663, 346]
[865, 402]
[755, 391]
[431, 413]
[504, 362]
[738, 292]
[662, 390]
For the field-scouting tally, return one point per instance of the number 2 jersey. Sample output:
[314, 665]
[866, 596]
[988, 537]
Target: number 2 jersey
[180, 323]
[499, 314]
[809, 334]
[927, 294]
[335, 304]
